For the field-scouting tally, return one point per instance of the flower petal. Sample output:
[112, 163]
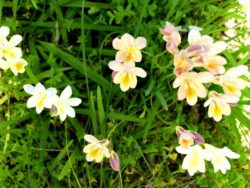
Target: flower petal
[29, 89]
[193, 35]
[66, 93]
[117, 44]
[115, 66]
[237, 71]
[90, 138]
[217, 48]
[74, 101]
[140, 72]
[15, 40]
[140, 42]
[5, 31]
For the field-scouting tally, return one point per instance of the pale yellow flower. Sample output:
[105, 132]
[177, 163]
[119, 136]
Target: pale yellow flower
[219, 105]
[126, 74]
[191, 87]
[194, 160]
[18, 67]
[96, 150]
[172, 36]
[218, 157]
[129, 48]
[215, 64]
[232, 85]
[182, 63]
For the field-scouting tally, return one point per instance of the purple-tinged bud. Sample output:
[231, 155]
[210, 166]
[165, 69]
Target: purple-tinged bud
[114, 161]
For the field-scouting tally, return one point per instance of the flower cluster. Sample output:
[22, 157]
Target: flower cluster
[97, 150]
[128, 54]
[10, 54]
[46, 98]
[196, 154]
[203, 52]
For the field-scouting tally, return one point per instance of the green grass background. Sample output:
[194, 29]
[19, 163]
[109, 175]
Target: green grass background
[69, 42]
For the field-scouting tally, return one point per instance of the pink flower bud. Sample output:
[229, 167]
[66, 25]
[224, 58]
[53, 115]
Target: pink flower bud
[114, 161]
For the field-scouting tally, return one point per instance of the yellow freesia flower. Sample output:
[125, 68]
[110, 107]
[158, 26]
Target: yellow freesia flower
[194, 160]
[232, 85]
[4, 32]
[219, 105]
[129, 48]
[218, 157]
[96, 150]
[191, 87]
[126, 74]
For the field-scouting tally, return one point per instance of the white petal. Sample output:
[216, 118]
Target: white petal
[70, 111]
[140, 72]
[205, 77]
[74, 102]
[140, 42]
[114, 65]
[66, 93]
[193, 35]
[63, 116]
[4, 64]
[229, 153]
[127, 40]
[231, 98]
[177, 82]
[237, 71]
[208, 102]
[182, 150]
[39, 110]
[117, 44]
[192, 100]
[15, 40]
[121, 56]
[29, 89]
[217, 48]
[182, 92]
[4, 31]
[31, 102]
[137, 56]
[40, 87]
[90, 138]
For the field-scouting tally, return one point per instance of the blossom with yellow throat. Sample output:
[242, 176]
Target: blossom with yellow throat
[96, 150]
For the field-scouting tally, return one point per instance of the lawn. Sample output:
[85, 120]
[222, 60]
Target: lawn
[111, 93]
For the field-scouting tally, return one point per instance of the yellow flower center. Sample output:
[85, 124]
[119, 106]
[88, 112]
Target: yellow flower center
[19, 67]
[185, 143]
[94, 153]
[131, 50]
[217, 110]
[125, 80]
[231, 88]
[41, 101]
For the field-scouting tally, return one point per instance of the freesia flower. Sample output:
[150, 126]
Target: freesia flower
[9, 50]
[129, 48]
[96, 150]
[191, 87]
[172, 36]
[194, 160]
[219, 105]
[204, 52]
[64, 103]
[182, 63]
[230, 81]
[18, 67]
[186, 138]
[41, 98]
[125, 74]
[218, 157]
[114, 161]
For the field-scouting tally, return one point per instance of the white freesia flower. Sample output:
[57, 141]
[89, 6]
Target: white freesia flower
[218, 157]
[194, 161]
[64, 103]
[96, 150]
[41, 98]
[9, 50]
[126, 74]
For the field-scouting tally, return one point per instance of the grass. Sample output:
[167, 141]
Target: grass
[69, 42]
